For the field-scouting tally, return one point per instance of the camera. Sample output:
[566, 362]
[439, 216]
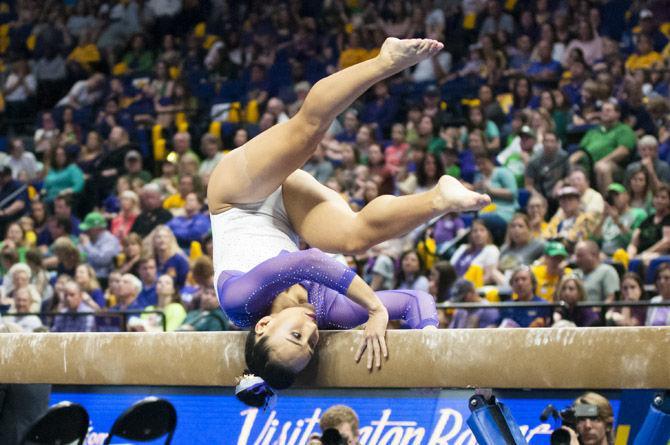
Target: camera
[332, 437]
[568, 417]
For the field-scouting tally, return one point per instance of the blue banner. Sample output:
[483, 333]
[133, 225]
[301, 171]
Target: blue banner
[387, 417]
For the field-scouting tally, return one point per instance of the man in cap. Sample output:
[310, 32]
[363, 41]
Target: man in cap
[431, 104]
[570, 223]
[98, 243]
[649, 27]
[135, 167]
[550, 270]
[463, 291]
[516, 156]
[618, 221]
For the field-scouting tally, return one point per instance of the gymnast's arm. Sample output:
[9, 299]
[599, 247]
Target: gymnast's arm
[416, 309]
[256, 289]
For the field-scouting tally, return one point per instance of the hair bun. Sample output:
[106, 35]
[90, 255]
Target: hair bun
[254, 391]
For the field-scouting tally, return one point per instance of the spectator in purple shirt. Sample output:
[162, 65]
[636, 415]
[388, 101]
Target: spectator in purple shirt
[169, 258]
[98, 243]
[660, 315]
[62, 210]
[632, 289]
[194, 225]
[74, 303]
[381, 111]
[127, 299]
[448, 227]
[129, 290]
[464, 291]
[545, 72]
[350, 124]
[148, 276]
[523, 284]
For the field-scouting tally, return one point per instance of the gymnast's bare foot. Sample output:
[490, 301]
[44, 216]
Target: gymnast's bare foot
[404, 53]
[456, 198]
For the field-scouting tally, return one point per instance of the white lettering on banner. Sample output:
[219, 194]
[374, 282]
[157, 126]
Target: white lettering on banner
[446, 415]
[416, 434]
[249, 418]
[266, 427]
[450, 429]
[271, 425]
[542, 429]
[379, 426]
[93, 438]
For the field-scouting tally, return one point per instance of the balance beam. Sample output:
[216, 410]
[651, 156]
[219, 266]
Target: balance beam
[602, 358]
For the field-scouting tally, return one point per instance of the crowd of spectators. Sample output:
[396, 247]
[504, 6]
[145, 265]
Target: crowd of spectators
[114, 114]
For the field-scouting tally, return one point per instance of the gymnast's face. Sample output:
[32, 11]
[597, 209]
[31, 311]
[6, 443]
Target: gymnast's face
[293, 335]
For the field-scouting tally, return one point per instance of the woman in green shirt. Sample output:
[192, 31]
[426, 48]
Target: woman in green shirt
[478, 121]
[14, 237]
[168, 303]
[640, 189]
[63, 175]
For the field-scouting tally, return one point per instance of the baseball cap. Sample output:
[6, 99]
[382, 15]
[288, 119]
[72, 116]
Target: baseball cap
[526, 131]
[616, 187]
[460, 289]
[93, 220]
[555, 248]
[431, 90]
[568, 191]
[303, 86]
[133, 154]
[646, 14]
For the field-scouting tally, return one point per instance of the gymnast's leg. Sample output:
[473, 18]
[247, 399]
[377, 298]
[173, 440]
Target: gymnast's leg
[324, 220]
[255, 170]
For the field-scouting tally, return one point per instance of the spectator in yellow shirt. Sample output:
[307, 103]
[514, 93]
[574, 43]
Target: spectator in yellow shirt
[537, 208]
[354, 52]
[644, 56]
[85, 56]
[550, 269]
[175, 203]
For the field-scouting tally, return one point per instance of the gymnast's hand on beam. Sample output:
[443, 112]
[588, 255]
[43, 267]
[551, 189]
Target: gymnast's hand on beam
[374, 339]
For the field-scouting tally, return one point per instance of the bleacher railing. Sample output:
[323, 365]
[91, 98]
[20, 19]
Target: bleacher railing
[48, 318]
[553, 305]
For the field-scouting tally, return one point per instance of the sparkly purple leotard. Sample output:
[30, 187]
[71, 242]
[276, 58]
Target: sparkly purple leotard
[247, 297]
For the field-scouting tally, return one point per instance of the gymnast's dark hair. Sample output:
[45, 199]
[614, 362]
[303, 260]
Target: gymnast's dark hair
[274, 375]
[257, 356]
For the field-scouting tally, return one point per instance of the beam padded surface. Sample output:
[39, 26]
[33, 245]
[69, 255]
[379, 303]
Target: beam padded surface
[496, 358]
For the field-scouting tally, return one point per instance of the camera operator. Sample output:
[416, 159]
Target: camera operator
[594, 420]
[339, 424]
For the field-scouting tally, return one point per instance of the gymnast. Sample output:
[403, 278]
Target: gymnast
[261, 203]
